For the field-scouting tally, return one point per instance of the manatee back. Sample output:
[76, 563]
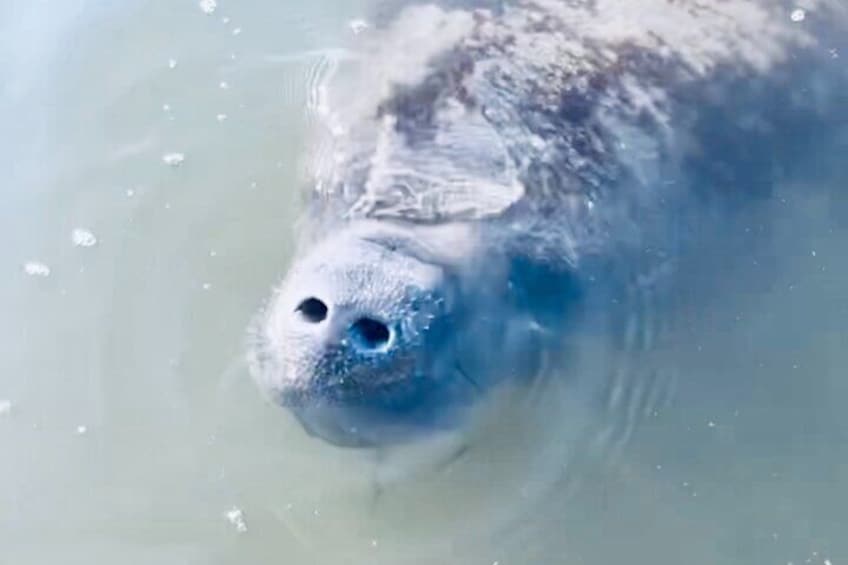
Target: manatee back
[574, 127]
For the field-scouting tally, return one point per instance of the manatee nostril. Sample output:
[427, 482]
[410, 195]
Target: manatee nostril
[368, 333]
[313, 310]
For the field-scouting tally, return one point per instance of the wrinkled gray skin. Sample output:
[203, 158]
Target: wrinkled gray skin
[497, 168]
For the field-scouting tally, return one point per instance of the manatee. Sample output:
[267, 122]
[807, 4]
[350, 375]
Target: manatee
[487, 178]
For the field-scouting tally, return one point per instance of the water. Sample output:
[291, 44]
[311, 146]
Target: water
[151, 179]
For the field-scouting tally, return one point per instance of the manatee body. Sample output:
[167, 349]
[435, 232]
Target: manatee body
[486, 172]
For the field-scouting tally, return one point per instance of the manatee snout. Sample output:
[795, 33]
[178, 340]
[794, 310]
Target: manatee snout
[360, 341]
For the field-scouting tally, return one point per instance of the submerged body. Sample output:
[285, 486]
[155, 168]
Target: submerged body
[500, 169]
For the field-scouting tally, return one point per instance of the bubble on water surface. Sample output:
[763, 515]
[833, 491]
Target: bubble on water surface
[83, 238]
[235, 516]
[237, 31]
[5, 407]
[173, 159]
[82, 430]
[221, 117]
[208, 6]
[172, 63]
[36, 269]
[798, 15]
[357, 26]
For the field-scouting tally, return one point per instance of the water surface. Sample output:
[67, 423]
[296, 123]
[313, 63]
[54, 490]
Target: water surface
[151, 178]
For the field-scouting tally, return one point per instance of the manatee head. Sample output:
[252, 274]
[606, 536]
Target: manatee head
[384, 333]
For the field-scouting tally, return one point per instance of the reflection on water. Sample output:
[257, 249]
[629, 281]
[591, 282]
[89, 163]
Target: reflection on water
[150, 186]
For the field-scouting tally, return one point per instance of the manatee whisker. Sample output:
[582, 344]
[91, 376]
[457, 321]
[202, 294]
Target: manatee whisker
[376, 493]
[238, 364]
[454, 457]
[474, 384]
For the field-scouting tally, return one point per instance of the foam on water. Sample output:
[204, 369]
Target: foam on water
[36, 269]
[82, 237]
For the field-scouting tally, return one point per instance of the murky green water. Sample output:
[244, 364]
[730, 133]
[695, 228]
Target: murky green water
[151, 170]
